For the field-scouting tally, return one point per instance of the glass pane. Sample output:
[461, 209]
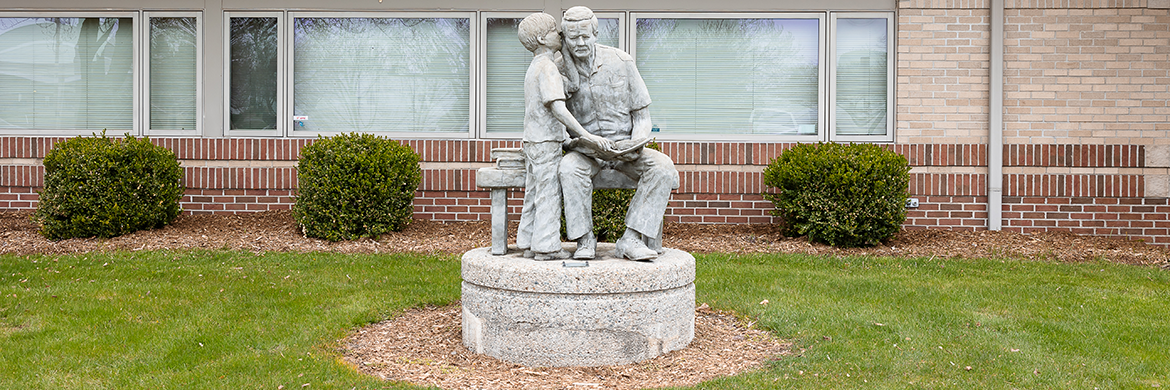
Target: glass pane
[731, 76]
[507, 61]
[861, 76]
[253, 73]
[607, 32]
[173, 65]
[67, 73]
[381, 74]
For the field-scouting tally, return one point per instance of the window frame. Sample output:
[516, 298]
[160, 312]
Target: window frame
[281, 114]
[891, 81]
[481, 79]
[145, 73]
[136, 58]
[822, 86]
[287, 63]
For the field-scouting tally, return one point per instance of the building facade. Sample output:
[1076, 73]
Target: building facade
[1022, 115]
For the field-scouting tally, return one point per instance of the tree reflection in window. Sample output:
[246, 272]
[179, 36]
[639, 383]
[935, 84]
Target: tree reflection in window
[253, 95]
[382, 74]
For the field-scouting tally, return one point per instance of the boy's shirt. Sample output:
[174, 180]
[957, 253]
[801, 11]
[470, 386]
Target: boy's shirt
[542, 85]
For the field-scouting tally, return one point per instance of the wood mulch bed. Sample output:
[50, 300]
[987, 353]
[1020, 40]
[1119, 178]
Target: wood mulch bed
[276, 231]
[423, 345]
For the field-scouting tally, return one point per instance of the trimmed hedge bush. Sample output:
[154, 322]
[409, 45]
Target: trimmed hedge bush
[108, 187]
[609, 209]
[354, 186]
[842, 195]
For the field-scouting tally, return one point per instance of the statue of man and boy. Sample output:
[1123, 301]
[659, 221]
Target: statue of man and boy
[585, 110]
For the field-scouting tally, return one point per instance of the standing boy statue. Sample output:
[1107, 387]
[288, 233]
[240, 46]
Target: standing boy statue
[546, 119]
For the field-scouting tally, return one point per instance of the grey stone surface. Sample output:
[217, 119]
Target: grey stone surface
[605, 274]
[543, 314]
[1158, 156]
[1158, 186]
[498, 180]
[609, 99]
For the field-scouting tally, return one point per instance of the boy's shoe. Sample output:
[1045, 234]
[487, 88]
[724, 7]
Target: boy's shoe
[558, 255]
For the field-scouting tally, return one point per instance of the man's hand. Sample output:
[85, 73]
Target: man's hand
[598, 143]
[631, 147]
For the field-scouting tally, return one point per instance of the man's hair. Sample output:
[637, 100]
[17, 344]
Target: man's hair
[578, 14]
[534, 26]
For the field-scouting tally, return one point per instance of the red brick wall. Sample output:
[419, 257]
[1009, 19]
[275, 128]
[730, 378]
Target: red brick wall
[1086, 86]
[720, 183]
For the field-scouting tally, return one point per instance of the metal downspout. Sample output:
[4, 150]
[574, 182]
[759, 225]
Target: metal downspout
[995, 141]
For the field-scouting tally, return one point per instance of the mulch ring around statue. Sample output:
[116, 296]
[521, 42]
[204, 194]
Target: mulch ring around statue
[424, 346]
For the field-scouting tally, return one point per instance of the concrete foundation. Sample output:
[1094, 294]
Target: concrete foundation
[561, 313]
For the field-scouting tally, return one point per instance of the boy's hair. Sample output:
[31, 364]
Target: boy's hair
[533, 26]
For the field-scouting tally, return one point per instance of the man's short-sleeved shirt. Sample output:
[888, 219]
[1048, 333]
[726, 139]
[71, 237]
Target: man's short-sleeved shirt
[542, 85]
[607, 95]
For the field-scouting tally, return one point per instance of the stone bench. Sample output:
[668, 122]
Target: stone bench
[509, 173]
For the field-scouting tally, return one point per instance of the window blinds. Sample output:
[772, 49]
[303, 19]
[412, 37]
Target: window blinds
[731, 76]
[173, 67]
[67, 74]
[382, 74]
[861, 89]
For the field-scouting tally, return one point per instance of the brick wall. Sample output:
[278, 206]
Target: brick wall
[1087, 133]
[943, 74]
[1086, 85]
[1087, 75]
[720, 182]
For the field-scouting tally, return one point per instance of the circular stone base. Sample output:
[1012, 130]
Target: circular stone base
[564, 313]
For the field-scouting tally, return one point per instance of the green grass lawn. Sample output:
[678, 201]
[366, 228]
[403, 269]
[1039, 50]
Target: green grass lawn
[234, 320]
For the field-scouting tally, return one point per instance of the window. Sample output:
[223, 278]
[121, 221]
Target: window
[733, 76]
[761, 76]
[505, 63]
[253, 74]
[69, 73]
[405, 75]
[173, 73]
[862, 108]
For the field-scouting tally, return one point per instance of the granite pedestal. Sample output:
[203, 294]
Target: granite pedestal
[562, 313]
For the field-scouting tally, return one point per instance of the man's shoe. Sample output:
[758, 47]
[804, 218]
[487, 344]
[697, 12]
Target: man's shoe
[634, 249]
[558, 255]
[528, 254]
[586, 247]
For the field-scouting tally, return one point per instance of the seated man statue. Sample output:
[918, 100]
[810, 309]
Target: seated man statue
[609, 99]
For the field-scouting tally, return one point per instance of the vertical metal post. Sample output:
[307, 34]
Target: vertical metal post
[995, 141]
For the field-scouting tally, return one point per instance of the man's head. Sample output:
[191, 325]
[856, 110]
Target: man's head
[539, 29]
[580, 28]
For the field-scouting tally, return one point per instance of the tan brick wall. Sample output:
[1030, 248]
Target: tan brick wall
[1076, 71]
[942, 91]
[1087, 76]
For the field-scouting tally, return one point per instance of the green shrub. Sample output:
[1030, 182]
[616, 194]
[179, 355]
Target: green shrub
[609, 209]
[842, 195]
[106, 187]
[354, 186]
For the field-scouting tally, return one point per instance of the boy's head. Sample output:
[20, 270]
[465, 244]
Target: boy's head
[534, 27]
